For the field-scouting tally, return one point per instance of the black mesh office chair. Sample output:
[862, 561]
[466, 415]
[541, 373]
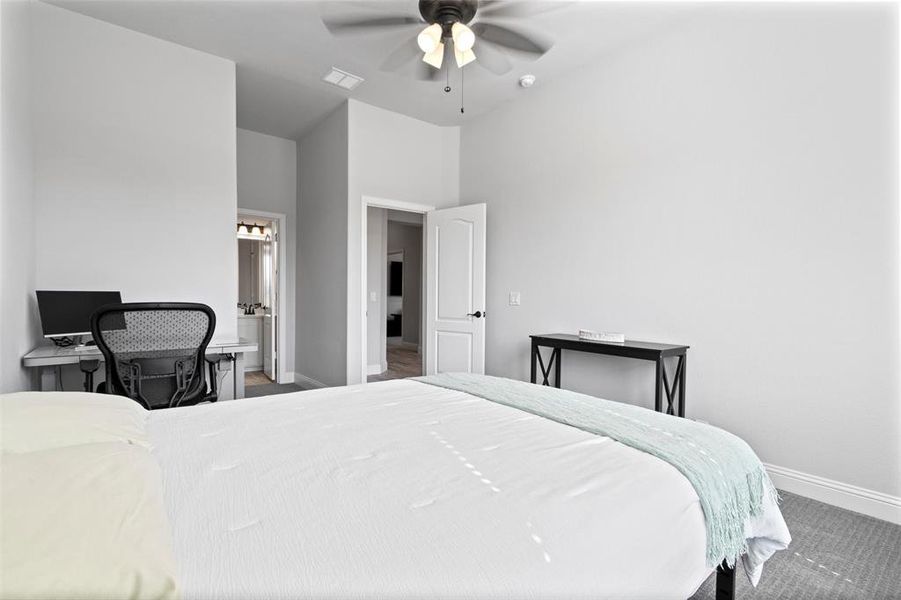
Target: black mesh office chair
[158, 358]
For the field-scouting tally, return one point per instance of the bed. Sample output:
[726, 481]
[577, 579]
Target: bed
[401, 489]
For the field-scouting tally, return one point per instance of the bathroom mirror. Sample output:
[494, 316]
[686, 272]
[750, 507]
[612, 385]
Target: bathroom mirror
[254, 260]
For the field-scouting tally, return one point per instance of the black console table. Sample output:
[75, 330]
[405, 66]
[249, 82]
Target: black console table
[630, 349]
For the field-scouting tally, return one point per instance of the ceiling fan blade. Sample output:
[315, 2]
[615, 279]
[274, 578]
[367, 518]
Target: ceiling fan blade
[519, 8]
[492, 59]
[401, 56]
[372, 24]
[381, 6]
[501, 35]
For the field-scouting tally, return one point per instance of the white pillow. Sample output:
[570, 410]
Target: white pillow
[32, 421]
[85, 521]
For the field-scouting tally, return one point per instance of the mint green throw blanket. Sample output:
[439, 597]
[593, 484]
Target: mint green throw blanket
[729, 479]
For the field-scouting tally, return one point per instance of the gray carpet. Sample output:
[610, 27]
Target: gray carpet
[834, 553]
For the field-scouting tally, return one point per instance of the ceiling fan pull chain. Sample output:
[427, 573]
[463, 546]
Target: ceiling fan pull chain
[461, 90]
[447, 87]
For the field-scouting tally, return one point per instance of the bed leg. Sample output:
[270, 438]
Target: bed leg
[725, 582]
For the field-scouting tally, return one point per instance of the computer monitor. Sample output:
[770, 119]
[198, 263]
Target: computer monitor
[68, 313]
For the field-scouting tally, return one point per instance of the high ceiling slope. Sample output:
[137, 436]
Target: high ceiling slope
[282, 50]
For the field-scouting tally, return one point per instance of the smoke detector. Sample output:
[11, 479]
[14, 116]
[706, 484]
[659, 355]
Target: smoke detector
[527, 81]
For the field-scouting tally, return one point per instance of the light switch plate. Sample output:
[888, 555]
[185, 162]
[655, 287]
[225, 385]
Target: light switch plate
[514, 299]
[373, 297]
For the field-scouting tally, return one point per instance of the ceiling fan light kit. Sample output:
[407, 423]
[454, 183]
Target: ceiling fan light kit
[430, 42]
[447, 23]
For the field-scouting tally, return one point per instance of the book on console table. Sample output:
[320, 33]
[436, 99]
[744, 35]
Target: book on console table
[602, 336]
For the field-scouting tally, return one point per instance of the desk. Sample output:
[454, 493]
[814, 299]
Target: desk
[46, 359]
[629, 349]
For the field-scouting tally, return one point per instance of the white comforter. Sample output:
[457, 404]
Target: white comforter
[404, 490]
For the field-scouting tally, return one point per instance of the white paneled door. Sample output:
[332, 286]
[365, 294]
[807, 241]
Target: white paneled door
[455, 290]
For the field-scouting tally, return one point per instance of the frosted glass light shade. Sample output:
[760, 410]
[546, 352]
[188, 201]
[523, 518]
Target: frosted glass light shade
[463, 36]
[429, 38]
[435, 57]
[464, 58]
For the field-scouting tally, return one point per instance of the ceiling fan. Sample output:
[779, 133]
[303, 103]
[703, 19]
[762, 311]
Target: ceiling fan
[463, 27]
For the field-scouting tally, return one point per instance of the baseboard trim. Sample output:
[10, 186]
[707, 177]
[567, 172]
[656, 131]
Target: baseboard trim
[303, 380]
[287, 377]
[850, 497]
[374, 369]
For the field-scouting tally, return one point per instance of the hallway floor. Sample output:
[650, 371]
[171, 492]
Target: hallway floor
[256, 378]
[403, 361]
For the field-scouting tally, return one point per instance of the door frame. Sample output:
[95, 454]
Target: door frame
[390, 204]
[282, 376]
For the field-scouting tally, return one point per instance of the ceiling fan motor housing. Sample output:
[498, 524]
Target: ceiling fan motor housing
[448, 12]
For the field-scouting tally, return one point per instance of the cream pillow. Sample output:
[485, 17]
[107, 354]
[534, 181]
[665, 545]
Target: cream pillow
[32, 421]
[85, 521]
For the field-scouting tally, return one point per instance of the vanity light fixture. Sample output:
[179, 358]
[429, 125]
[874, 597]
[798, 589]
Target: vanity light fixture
[254, 231]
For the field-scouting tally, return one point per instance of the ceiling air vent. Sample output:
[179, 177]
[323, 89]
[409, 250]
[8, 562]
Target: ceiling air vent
[342, 79]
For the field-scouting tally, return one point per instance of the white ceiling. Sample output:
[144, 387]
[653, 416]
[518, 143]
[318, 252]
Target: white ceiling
[282, 50]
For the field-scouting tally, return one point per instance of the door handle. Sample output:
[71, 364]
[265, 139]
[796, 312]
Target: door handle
[477, 314]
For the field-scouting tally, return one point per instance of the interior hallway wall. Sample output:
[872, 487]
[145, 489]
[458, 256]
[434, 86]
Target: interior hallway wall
[395, 157]
[267, 181]
[376, 277]
[321, 349]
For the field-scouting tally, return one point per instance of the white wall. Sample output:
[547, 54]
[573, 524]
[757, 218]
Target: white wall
[321, 348]
[267, 181]
[376, 276]
[134, 165]
[732, 185]
[19, 329]
[399, 158]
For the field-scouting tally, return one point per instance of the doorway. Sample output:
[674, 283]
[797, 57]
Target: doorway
[395, 293]
[260, 293]
[404, 298]
[452, 274]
